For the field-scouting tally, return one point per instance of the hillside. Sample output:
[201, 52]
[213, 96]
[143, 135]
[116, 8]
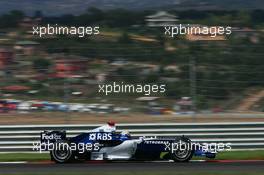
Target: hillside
[50, 7]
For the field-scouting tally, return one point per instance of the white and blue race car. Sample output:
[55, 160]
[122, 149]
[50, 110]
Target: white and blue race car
[104, 143]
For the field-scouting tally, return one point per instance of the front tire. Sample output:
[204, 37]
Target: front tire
[62, 152]
[184, 151]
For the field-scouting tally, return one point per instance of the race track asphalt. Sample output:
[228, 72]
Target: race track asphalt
[50, 168]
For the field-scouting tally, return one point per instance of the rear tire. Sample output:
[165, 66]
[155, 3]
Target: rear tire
[184, 153]
[62, 152]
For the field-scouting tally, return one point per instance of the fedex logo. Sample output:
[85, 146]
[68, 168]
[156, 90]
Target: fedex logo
[100, 136]
[50, 137]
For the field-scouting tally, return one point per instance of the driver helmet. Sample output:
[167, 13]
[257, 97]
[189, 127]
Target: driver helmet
[125, 133]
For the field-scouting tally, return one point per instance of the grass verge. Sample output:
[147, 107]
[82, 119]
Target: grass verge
[230, 155]
[241, 155]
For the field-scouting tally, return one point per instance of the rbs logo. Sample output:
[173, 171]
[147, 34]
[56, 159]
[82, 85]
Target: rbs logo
[100, 136]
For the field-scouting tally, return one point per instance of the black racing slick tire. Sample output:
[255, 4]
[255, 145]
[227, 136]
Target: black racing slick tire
[183, 150]
[62, 152]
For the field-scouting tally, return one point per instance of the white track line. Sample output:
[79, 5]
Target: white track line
[20, 162]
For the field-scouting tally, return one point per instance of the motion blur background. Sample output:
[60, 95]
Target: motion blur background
[54, 75]
[214, 85]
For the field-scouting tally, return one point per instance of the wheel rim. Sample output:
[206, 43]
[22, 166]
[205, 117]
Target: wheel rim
[62, 154]
[183, 153]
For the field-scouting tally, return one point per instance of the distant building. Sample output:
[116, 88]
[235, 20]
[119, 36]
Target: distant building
[29, 22]
[184, 105]
[26, 47]
[6, 57]
[70, 67]
[245, 32]
[161, 18]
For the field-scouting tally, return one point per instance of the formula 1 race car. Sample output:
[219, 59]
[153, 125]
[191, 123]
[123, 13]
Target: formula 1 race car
[104, 143]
